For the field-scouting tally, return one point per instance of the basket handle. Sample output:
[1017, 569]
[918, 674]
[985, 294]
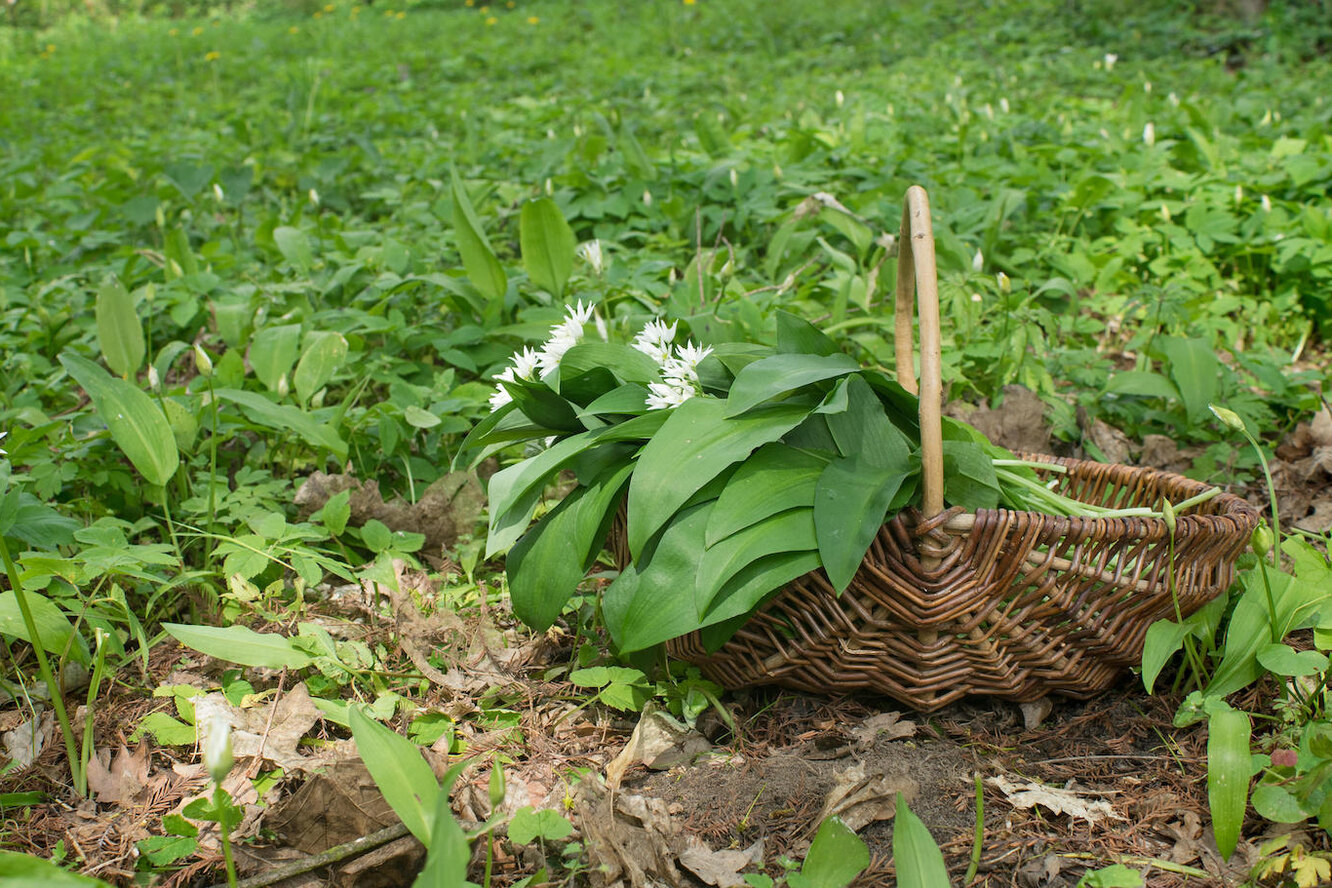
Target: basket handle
[918, 282]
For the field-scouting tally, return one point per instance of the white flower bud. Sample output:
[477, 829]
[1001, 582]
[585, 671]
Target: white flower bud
[314, 197]
[978, 261]
[735, 178]
[839, 98]
[1003, 104]
[1005, 285]
[202, 362]
[217, 753]
[1165, 212]
[1228, 417]
[647, 198]
[1110, 59]
[283, 387]
[217, 192]
[1149, 134]
[154, 381]
[1266, 204]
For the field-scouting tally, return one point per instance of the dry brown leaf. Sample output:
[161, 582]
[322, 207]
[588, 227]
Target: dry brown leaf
[884, 726]
[1058, 801]
[121, 779]
[720, 868]
[24, 743]
[660, 743]
[860, 798]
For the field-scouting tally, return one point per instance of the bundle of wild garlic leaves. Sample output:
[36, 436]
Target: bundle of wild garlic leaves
[739, 467]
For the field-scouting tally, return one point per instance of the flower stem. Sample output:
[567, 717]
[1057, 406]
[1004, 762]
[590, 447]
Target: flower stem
[54, 688]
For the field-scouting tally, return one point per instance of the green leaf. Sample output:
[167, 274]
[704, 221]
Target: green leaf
[377, 536]
[237, 644]
[547, 244]
[851, 501]
[448, 851]
[917, 858]
[789, 531]
[627, 363]
[795, 335]
[1114, 876]
[324, 353]
[1251, 626]
[1278, 804]
[1282, 659]
[1196, 371]
[294, 247]
[273, 352]
[770, 377]
[746, 590]
[39, 525]
[166, 730]
[547, 564]
[1164, 639]
[693, 446]
[528, 825]
[969, 479]
[137, 424]
[1145, 383]
[418, 418]
[24, 871]
[774, 478]
[52, 625]
[119, 331]
[837, 855]
[1228, 771]
[285, 417]
[864, 431]
[400, 772]
[484, 270]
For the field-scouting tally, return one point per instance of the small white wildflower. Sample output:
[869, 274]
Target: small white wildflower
[154, 380]
[602, 331]
[839, 98]
[580, 313]
[1003, 105]
[283, 386]
[1005, 285]
[499, 398]
[525, 363]
[1173, 100]
[1149, 134]
[735, 178]
[1110, 59]
[976, 297]
[1266, 204]
[664, 396]
[647, 198]
[217, 192]
[590, 252]
[692, 355]
[562, 339]
[314, 197]
[978, 261]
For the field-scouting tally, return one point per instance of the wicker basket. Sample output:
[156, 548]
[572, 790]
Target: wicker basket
[1009, 604]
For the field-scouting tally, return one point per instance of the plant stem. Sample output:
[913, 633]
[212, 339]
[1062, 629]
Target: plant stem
[212, 472]
[220, 801]
[1271, 494]
[1271, 602]
[54, 688]
[978, 837]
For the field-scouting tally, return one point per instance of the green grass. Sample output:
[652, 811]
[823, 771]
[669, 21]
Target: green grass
[245, 173]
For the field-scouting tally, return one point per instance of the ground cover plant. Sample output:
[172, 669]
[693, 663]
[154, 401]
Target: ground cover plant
[263, 267]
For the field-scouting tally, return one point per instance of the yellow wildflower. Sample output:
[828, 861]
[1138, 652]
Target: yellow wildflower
[491, 20]
[293, 30]
[212, 56]
[532, 20]
[197, 31]
[401, 16]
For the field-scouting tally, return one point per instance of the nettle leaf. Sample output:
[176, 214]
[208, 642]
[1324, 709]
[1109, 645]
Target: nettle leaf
[547, 244]
[771, 377]
[484, 270]
[273, 352]
[851, 501]
[775, 478]
[137, 424]
[119, 331]
[694, 445]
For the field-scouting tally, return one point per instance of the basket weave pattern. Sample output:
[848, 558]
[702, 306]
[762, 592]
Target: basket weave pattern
[1016, 604]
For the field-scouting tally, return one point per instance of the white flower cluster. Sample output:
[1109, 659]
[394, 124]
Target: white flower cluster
[679, 365]
[2, 450]
[530, 363]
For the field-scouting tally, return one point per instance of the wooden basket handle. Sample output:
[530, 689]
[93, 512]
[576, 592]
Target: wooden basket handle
[918, 287]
